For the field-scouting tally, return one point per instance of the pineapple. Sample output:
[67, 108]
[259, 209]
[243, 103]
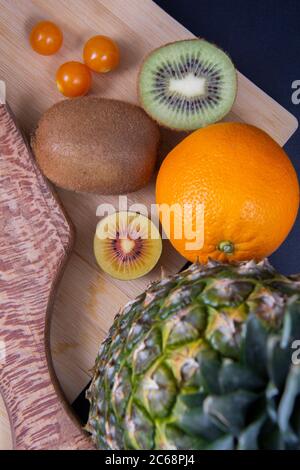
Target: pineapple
[202, 360]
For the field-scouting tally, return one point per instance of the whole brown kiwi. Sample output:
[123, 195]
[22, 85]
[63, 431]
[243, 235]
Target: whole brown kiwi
[96, 145]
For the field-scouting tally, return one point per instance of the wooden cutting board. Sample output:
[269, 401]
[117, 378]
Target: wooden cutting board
[87, 299]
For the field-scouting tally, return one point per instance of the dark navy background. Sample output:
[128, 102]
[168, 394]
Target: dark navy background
[263, 39]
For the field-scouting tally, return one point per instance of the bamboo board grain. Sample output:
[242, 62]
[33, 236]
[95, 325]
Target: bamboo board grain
[87, 300]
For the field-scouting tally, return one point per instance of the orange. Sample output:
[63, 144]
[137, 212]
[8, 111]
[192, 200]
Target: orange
[247, 187]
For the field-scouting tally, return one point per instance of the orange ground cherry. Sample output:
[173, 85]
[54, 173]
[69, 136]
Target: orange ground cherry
[73, 79]
[101, 54]
[46, 38]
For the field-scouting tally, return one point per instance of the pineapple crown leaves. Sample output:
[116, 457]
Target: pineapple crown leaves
[202, 360]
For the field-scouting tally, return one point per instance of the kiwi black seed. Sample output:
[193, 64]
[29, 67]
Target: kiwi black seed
[187, 84]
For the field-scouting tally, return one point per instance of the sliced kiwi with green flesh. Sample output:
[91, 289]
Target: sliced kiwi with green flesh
[127, 245]
[187, 84]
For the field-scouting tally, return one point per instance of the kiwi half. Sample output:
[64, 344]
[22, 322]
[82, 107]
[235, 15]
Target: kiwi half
[187, 84]
[127, 245]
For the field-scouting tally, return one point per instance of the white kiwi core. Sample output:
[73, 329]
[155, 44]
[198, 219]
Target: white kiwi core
[127, 245]
[188, 86]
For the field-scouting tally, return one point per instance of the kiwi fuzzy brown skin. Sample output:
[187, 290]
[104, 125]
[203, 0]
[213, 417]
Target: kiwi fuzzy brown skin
[154, 118]
[97, 145]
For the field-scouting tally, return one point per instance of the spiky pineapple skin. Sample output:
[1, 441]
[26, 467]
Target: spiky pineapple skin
[202, 360]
